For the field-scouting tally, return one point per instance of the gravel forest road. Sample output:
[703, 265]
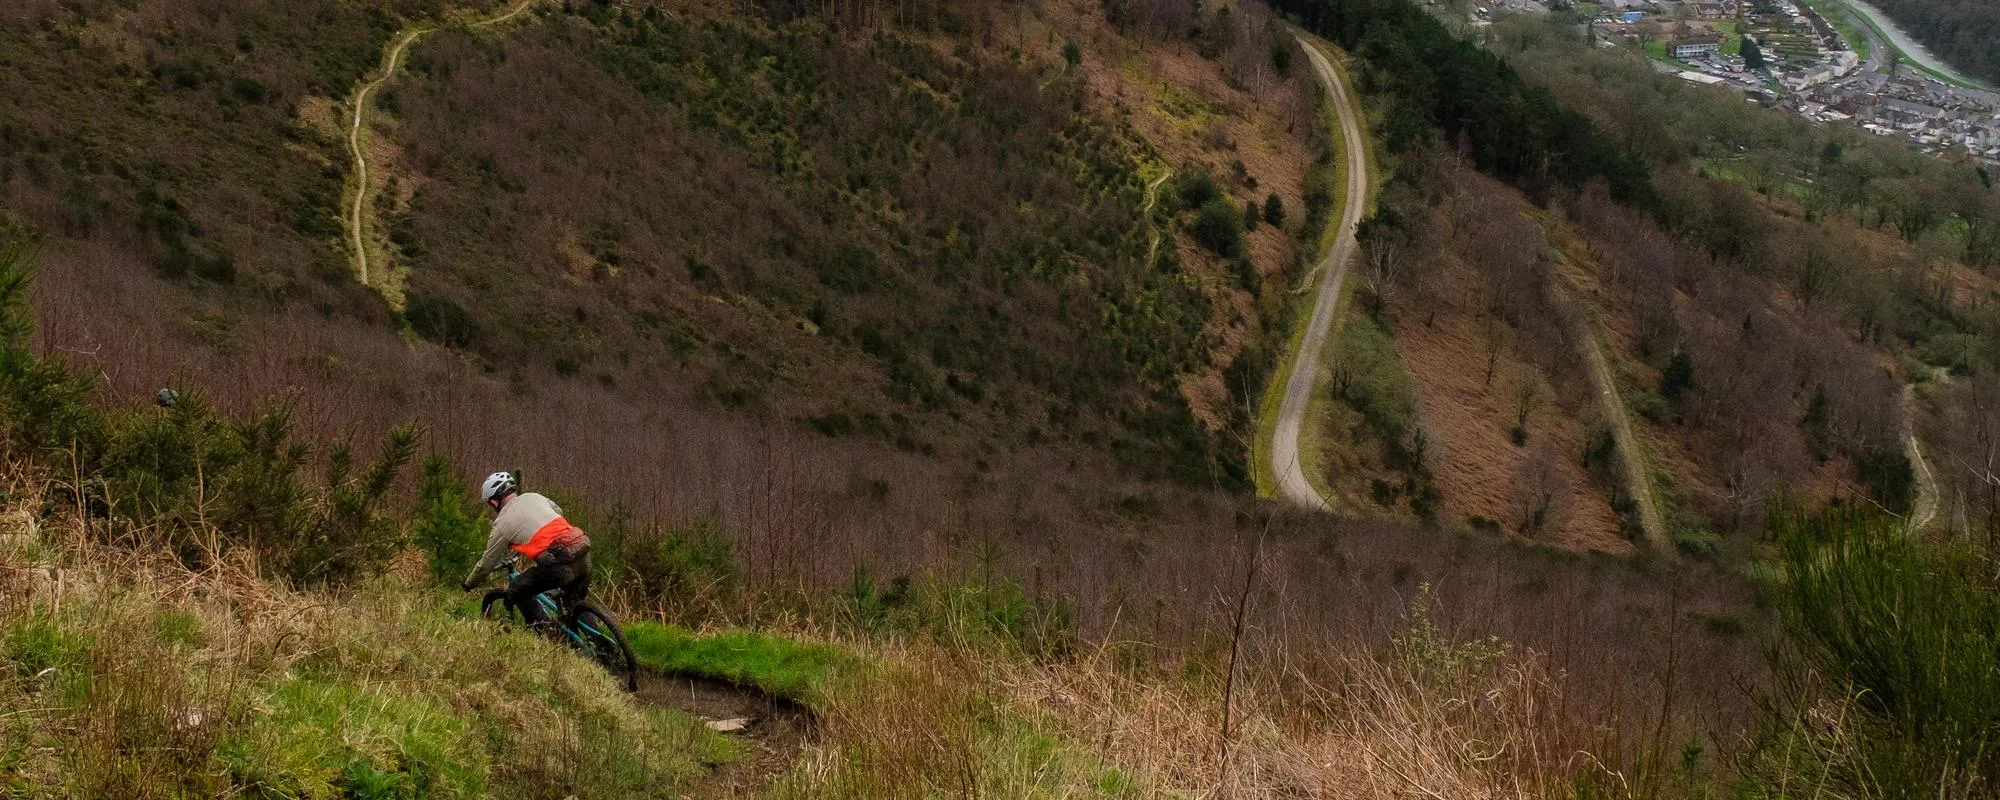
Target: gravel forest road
[1292, 483]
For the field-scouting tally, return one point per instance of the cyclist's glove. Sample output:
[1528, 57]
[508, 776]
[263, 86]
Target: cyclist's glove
[465, 585]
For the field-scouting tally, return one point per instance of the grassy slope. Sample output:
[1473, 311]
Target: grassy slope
[150, 683]
[130, 690]
[778, 666]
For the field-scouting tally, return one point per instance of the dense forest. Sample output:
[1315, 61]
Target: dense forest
[1963, 32]
[1471, 97]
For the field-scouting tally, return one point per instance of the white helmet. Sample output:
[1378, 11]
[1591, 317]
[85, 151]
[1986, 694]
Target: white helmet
[498, 484]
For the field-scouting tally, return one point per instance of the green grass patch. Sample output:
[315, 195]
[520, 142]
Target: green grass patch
[1025, 756]
[321, 738]
[386, 696]
[1838, 18]
[1370, 377]
[1724, 170]
[773, 664]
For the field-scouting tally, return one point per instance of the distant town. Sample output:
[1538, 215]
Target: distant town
[1837, 70]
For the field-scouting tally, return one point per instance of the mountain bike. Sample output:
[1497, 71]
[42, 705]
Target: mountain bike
[583, 626]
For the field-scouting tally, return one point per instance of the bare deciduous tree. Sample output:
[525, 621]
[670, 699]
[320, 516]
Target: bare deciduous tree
[1542, 491]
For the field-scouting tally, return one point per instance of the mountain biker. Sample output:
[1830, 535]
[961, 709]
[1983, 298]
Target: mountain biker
[532, 525]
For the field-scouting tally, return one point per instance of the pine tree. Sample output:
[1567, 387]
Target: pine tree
[1678, 377]
[1274, 210]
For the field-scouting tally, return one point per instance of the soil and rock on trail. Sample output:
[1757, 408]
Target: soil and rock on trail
[773, 730]
[1285, 465]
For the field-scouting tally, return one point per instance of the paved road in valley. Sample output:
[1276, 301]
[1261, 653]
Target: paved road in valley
[1292, 483]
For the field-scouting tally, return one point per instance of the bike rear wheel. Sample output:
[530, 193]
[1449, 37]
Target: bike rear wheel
[599, 638]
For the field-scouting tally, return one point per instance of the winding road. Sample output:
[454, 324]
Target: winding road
[357, 128]
[1285, 466]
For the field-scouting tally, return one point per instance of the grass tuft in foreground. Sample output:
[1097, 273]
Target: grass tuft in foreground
[140, 679]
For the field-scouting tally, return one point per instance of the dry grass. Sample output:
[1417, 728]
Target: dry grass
[135, 677]
[1479, 470]
[1422, 718]
[164, 681]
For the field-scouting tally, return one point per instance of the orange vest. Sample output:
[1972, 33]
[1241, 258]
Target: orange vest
[555, 530]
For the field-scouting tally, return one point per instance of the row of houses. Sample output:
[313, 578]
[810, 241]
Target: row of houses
[1935, 119]
[1811, 70]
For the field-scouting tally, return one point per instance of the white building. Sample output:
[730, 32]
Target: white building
[1696, 46]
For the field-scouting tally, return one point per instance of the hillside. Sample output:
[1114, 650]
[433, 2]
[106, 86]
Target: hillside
[1757, 320]
[208, 605]
[908, 365]
[893, 237]
[200, 605]
[1875, 258]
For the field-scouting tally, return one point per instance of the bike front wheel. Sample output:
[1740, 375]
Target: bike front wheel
[496, 606]
[599, 638]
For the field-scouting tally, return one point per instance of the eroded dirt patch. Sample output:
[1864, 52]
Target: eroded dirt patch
[774, 729]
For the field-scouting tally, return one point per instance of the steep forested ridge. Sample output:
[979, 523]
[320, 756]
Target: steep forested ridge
[1519, 133]
[881, 234]
[945, 234]
[1963, 32]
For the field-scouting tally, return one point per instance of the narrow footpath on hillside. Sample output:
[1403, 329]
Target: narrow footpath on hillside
[1631, 461]
[773, 730]
[1152, 199]
[1285, 466]
[1924, 506]
[361, 191]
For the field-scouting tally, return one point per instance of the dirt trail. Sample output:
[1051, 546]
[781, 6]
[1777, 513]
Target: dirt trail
[775, 730]
[357, 144]
[1292, 483]
[1152, 199]
[1630, 462]
[1924, 508]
